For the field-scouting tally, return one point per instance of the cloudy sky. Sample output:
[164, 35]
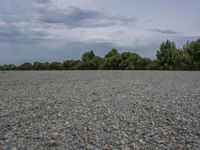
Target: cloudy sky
[55, 30]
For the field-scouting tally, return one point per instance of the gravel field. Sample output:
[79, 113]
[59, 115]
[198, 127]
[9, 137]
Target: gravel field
[99, 110]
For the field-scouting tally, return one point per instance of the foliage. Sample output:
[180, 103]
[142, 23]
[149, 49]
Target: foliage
[71, 64]
[112, 60]
[8, 67]
[90, 61]
[26, 66]
[168, 57]
[56, 66]
[128, 61]
[192, 50]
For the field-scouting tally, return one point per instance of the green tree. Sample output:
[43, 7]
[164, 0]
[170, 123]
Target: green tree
[88, 56]
[45, 66]
[143, 63]
[112, 60]
[131, 61]
[9, 67]
[90, 61]
[111, 53]
[87, 61]
[25, 66]
[192, 50]
[37, 66]
[167, 55]
[153, 65]
[71, 64]
[56, 66]
[98, 61]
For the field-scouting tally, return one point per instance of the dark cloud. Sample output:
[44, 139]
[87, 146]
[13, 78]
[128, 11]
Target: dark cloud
[10, 33]
[44, 1]
[163, 31]
[75, 17]
[69, 17]
[16, 34]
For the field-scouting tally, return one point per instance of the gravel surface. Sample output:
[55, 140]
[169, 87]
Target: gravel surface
[99, 110]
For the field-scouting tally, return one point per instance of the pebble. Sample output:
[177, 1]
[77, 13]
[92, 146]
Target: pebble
[80, 110]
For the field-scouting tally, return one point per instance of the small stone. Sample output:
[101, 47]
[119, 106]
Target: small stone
[59, 115]
[122, 142]
[141, 141]
[106, 147]
[52, 141]
[55, 134]
[89, 147]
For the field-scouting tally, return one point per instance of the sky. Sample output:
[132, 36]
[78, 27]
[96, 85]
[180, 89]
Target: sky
[56, 30]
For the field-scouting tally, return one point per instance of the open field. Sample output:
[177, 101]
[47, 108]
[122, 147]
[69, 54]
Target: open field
[100, 109]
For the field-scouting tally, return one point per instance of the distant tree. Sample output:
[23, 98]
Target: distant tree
[153, 65]
[192, 50]
[87, 61]
[25, 66]
[181, 61]
[45, 66]
[88, 56]
[56, 66]
[90, 61]
[37, 66]
[167, 55]
[130, 61]
[111, 53]
[98, 61]
[71, 64]
[112, 60]
[9, 67]
[143, 63]
[41, 66]
[67, 64]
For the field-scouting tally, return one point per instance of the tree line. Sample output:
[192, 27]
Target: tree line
[168, 57]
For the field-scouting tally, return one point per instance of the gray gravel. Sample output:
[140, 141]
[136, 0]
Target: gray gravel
[99, 110]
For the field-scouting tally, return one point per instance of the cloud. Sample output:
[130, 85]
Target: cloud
[163, 31]
[12, 33]
[52, 30]
[34, 20]
[74, 17]
[43, 1]
[20, 31]
[69, 17]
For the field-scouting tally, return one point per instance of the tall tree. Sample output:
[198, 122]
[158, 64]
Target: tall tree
[71, 64]
[166, 56]
[90, 61]
[56, 66]
[130, 61]
[112, 60]
[37, 66]
[8, 67]
[192, 49]
[25, 66]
